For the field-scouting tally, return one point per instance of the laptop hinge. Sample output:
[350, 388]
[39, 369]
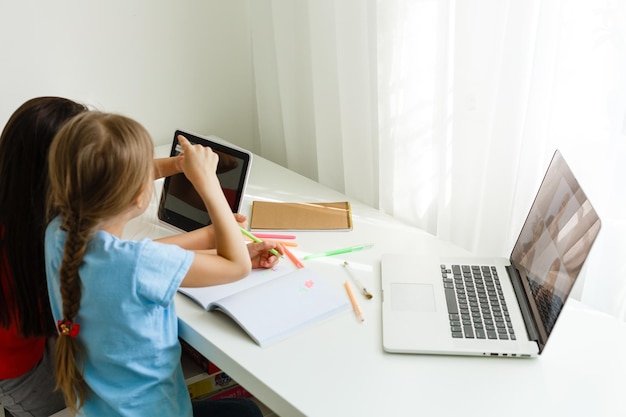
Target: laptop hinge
[529, 319]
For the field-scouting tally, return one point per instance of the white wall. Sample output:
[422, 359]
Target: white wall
[168, 64]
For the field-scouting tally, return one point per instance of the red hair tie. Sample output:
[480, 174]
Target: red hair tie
[68, 328]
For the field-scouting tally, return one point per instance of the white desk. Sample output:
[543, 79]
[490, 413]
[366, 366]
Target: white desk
[338, 368]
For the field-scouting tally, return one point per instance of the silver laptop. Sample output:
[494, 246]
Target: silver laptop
[435, 304]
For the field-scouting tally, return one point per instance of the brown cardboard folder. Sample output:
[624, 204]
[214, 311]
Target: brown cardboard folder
[269, 215]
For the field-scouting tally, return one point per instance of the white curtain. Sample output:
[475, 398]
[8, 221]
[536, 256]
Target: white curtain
[446, 113]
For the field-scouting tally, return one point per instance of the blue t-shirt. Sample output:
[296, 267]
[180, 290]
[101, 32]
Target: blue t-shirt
[128, 325]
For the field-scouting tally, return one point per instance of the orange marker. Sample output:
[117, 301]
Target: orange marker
[285, 242]
[293, 258]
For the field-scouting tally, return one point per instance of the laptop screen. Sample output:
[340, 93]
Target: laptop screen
[554, 243]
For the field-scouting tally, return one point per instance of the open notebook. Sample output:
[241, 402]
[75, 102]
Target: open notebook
[272, 304]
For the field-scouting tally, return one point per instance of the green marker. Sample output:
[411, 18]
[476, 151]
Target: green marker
[339, 251]
[257, 240]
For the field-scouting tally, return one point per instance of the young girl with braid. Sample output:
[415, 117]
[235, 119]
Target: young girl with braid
[27, 331]
[118, 353]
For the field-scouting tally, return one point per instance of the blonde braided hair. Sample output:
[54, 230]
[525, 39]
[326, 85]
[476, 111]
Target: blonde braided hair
[89, 158]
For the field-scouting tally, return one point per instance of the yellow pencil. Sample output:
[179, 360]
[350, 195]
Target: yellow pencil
[355, 305]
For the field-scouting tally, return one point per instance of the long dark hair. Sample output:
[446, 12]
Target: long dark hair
[24, 145]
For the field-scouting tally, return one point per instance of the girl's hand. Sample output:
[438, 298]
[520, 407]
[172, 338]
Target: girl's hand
[242, 220]
[260, 255]
[199, 163]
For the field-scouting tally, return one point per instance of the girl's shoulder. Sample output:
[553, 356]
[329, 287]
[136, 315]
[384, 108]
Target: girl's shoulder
[105, 241]
[145, 250]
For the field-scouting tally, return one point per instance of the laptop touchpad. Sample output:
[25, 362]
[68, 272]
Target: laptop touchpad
[412, 297]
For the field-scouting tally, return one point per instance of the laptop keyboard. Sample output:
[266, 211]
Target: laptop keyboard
[476, 305]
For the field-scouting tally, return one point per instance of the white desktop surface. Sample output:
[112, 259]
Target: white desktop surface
[338, 367]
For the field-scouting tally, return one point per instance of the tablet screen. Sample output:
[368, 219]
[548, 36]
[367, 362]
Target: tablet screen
[180, 204]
